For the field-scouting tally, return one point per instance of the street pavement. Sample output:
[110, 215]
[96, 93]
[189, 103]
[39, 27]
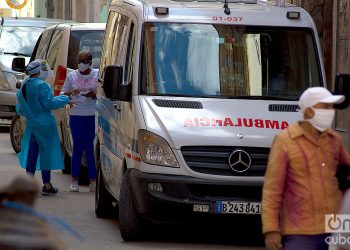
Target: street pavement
[77, 209]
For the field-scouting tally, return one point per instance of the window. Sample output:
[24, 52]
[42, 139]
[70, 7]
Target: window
[54, 47]
[43, 45]
[117, 35]
[128, 63]
[108, 42]
[215, 60]
[90, 40]
[120, 39]
[19, 40]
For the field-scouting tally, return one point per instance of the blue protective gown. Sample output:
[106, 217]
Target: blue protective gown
[40, 123]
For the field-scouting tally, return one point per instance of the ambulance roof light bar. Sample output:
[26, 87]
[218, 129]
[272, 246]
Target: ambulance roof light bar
[161, 10]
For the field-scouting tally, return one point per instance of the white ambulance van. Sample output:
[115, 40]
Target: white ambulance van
[192, 94]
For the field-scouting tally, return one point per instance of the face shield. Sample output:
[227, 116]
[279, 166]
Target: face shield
[45, 70]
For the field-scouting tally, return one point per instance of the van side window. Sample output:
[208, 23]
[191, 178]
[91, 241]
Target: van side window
[116, 37]
[43, 45]
[54, 47]
[128, 60]
[90, 40]
[120, 40]
[108, 41]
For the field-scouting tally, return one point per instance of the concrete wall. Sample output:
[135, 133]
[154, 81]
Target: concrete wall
[76, 10]
[322, 13]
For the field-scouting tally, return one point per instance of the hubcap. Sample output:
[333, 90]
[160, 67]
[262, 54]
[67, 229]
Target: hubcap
[17, 133]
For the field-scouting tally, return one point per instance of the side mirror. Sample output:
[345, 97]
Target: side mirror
[113, 84]
[19, 64]
[342, 87]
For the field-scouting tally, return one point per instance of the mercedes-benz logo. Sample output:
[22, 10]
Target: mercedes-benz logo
[239, 136]
[239, 160]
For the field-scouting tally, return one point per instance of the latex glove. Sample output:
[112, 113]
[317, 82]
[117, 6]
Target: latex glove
[273, 241]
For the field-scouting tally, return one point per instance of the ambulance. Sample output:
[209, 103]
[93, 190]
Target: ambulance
[191, 96]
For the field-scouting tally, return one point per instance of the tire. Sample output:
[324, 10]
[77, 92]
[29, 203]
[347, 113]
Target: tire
[130, 224]
[16, 133]
[103, 199]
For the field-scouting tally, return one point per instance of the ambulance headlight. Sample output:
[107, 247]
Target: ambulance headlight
[155, 150]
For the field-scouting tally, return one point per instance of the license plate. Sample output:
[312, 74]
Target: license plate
[201, 208]
[232, 207]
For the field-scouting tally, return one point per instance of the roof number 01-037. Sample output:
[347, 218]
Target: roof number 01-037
[229, 19]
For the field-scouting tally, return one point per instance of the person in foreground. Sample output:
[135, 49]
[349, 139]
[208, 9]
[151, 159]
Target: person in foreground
[35, 102]
[300, 185]
[21, 226]
[81, 86]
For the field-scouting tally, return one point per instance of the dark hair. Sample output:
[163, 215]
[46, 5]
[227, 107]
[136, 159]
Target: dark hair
[86, 52]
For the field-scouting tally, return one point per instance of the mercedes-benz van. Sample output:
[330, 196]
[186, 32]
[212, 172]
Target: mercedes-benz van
[192, 94]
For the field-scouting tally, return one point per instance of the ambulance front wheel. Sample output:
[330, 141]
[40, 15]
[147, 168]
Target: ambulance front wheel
[129, 222]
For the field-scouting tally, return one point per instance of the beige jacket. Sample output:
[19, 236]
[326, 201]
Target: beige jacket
[300, 185]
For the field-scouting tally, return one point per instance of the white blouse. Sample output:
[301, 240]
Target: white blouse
[84, 83]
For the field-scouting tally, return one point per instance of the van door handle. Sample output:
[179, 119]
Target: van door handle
[116, 106]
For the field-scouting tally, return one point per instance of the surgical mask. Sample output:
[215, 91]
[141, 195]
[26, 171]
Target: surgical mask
[83, 67]
[322, 119]
[43, 74]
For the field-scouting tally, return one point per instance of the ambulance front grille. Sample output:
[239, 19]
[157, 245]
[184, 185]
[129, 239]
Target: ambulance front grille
[213, 160]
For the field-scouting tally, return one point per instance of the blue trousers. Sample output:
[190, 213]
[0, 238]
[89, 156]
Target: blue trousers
[305, 242]
[83, 133]
[33, 154]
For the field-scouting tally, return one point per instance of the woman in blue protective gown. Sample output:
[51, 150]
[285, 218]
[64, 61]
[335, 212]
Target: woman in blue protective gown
[40, 145]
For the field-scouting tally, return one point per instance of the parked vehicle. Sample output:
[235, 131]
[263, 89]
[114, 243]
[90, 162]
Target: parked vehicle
[191, 97]
[17, 38]
[59, 45]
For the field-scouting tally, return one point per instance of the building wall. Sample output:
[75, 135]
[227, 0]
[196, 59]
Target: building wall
[332, 19]
[322, 13]
[77, 10]
[40, 9]
[341, 57]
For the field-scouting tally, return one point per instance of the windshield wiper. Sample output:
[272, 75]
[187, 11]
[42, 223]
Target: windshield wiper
[16, 54]
[252, 97]
[178, 95]
[258, 97]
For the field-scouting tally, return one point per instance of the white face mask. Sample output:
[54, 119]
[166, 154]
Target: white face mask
[322, 119]
[83, 67]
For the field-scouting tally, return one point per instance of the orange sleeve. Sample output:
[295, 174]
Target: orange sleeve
[274, 185]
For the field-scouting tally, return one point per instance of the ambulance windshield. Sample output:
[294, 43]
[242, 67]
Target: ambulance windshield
[216, 60]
